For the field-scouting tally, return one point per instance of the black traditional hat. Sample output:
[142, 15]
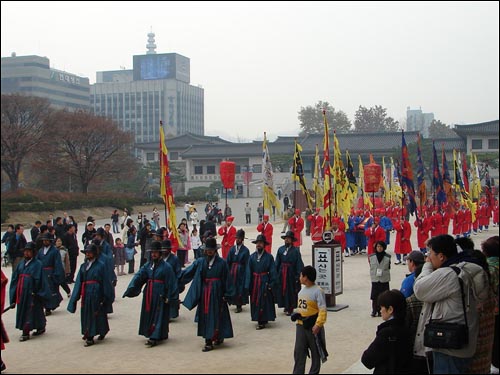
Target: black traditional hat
[166, 244]
[45, 237]
[211, 244]
[262, 238]
[91, 248]
[30, 246]
[155, 246]
[240, 234]
[289, 234]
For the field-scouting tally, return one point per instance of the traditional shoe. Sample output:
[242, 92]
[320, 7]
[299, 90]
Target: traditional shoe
[151, 343]
[207, 348]
[219, 341]
[24, 338]
[260, 326]
[39, 332]
[101, 337]
[89, 343]
[379, 314]
[288, 313]
[238, 309]
[48, 312]
[3, 367]
[373, 314]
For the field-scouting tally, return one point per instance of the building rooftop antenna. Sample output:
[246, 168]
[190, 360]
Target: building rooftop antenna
[151, 46]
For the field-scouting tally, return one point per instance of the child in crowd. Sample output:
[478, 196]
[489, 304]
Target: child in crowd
[119, 256]
[391, 351]
[380, 265]
[196, 243]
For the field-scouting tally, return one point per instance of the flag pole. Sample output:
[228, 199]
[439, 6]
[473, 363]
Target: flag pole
[295, 177]
[162, 177]
[264, 185]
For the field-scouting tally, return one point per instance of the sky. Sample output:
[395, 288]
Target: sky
[261, 62]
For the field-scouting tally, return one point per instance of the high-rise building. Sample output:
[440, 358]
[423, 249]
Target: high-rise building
[418, 121]
[157, 88]
[32, 75]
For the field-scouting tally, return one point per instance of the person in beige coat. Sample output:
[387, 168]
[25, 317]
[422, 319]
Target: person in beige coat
[438, 284]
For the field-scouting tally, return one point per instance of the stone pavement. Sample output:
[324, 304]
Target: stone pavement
[348, 332]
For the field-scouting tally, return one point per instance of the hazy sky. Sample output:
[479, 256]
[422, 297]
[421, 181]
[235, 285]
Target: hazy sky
[259, 63]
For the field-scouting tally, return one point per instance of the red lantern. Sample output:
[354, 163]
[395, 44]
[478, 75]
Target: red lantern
[373, 176]
[227, 173]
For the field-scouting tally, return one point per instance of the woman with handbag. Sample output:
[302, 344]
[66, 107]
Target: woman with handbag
[446, 327]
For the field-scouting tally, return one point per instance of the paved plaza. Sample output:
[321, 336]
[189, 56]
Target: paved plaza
[348, 332]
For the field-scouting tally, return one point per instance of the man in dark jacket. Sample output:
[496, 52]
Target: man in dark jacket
[71, 243]
[35, 231]
[16, 246]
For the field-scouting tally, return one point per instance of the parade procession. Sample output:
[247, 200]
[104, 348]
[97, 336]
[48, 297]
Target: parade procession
[386, 209]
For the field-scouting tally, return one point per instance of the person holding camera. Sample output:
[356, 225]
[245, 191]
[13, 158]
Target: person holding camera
[450, 280]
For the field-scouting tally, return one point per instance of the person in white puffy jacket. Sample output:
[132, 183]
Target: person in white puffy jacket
[439, 284]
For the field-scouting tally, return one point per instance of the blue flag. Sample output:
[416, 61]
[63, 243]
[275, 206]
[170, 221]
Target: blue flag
[437, 180]
[407, 174]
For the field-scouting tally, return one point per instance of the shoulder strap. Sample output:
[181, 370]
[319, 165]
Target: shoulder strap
[461, 282]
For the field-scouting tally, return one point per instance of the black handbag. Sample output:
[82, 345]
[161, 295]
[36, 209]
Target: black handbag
[447, 335]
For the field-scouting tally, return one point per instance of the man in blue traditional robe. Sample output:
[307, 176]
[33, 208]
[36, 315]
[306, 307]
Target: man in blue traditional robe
[209, 292]
[159, 292]
[106, 256]
[29, 290]
[53, 270]
[93, 286]
[237, 260]
[260, 280]
[170, 258]
[288, 266]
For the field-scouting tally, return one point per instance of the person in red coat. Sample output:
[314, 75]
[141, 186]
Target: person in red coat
[266, 229]
[228, 233]
[373, 234]
[317, 226]
[338, 235]
[4, 337]
[403, 244]
[484, 214]
[296, 225]
[436, 222]
[446, 218]
[475, 224]
[422, 225]
[495, 213]
[467, 223]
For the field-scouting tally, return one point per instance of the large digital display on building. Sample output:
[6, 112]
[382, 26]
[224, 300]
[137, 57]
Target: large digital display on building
[154, 67]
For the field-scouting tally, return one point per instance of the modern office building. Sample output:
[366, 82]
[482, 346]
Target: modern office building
[156, 89]
[32, 75]
[416, 120]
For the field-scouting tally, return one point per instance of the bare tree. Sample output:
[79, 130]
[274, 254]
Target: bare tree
[89, 147]
[24, 120]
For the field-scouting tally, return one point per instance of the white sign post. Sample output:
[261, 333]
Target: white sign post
[327, 260]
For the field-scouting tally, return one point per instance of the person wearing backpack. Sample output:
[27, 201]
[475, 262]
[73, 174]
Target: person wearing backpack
[444, 297]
